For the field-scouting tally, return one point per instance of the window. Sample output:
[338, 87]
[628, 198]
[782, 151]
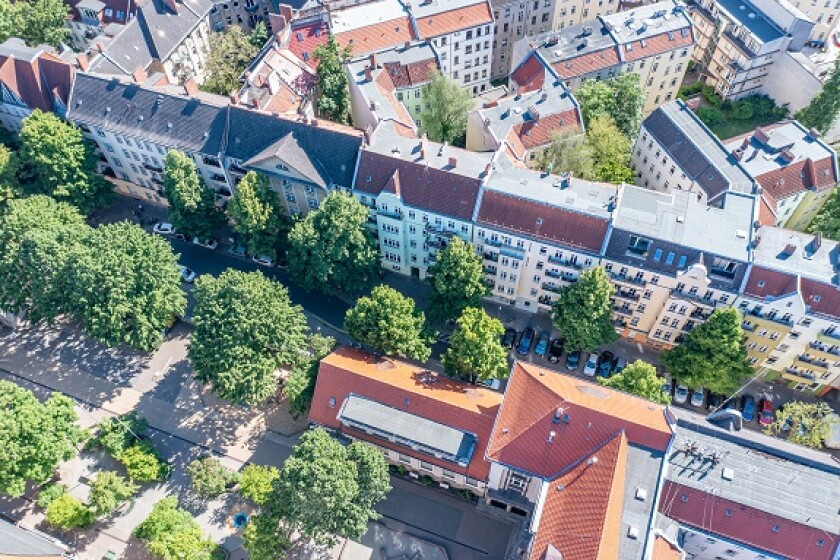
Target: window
[638, 246]
[427, 466]
[448, 474]
[657, 255]
[670, 258]
[404, 458]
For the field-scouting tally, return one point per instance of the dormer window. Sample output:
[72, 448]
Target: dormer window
[281, 167]
[724, 267]
[638, 246]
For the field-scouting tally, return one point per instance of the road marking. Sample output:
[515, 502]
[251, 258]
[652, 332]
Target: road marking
[162, 370]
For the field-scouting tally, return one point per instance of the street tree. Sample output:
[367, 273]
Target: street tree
[808, 424]
[827, 222]
[824, 108]
[327, 490]
[300, 385]
[67, 512]
[259, 35]
[117, 434]
[388, 322]
[171, 533]
[639, 378]
[34, 436]
[39, 239]
[54, 159]
[142, 463]
[256, 482]
[245, 329]
[569, 151]
[8, 176]
[611, 151]
[209, 477]
[475, 349]
[457, 280]
[583, 311]
[621, 98]
[333, 93]
[125, 286]
[331, 250]
[712, 355]
[230, 54]
[192, 208]
[108, 491]
[257, 214]
[265, 538]
[37, 22]
[445, 106]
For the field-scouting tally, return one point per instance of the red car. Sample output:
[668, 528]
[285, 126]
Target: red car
[766, 416]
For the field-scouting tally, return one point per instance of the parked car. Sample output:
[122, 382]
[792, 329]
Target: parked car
[605, 364]
[555, 350]
[714, 400]
[493, 384]
[748, 408]
[766, 417]
[264, 260]
[681, 394]
[573, 360]
[591, 364]
[620, 364]
[668, 387]
[237, 250]
[542, 344]
[164, 228]
[526, 342]
[508, 337]
[208, 243]
[187, 275]
[698, 396]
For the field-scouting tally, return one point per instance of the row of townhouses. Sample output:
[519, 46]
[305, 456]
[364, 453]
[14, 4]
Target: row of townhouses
[590, 472]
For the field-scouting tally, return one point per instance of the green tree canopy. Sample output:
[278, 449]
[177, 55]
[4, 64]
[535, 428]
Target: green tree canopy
[245, 329]
[457, 280]
[230, 54]
[8, 176]
[192, 208]
[115, 435]
[827, 221]
[388, 322]
[621, 98]
[209, 477]
[34, 437]
[35, 21]
[108, 491]
[639, 378]
[55, 160]
[172, 534]
[331, 250]
[256, 482]
[259, 35]
[142, 463]
[333, 93]
[265, 539]
[808, 424]
[67, 512]
[126, 286]
[445, 106]
[611, 151]
[823, 109]
[257, 214]
[569, 151]
[712, 355]
[300, 386]
[475, 350]
[583, 311]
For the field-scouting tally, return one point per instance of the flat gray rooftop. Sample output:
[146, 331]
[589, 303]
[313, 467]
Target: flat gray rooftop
[753, 19]
[16, 541]
[642, 473]
[646, 21]
[793, 252]
[569, 42]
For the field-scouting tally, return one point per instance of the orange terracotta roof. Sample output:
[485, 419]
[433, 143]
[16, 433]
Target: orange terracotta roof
[530, 75]
[395, 383]
[586, 63]
[515, 145]
[378, 36]
[538, 133]
[594, 415]
[304, 39]
[448, 22]
[798, 177]
[412, 74]
[386, 88]
[581, 515]
[664, 550]
[656, 45]
[767, 211]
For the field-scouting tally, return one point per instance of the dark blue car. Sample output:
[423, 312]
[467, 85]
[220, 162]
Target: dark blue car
[525, 344]
[748, 408]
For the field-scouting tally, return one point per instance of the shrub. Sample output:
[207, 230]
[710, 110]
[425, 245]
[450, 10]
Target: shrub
[172, 533]
[108, 491]
[711, 116]
[763, 106]
[709, 94]
[256, 482]
[209, 477]
[66, 512]
[690, 89]
[743, 110]
[142, 463]
[50, 493]
[118, 434]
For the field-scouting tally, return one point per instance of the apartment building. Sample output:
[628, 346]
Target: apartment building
[824, 15]
[674, 260]
[372, 26]
[89, 19]
[738, 41]
[242, 13]
[524, 123]
[32, 78]
[654, 41]
[19, 541]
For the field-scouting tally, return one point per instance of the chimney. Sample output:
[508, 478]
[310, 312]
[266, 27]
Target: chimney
[373, 62]
[453, 161]
[172, 5]
[82, 61]
[544, 97]
[487, 169]
[190, 87]
[286, 11]
[139, 76]
[407, 45]
[256, 103]
[368, 74]
[422, 153]
[551, 436]
[277, 23]
[100, 46]
[817, 242]
[813, 134]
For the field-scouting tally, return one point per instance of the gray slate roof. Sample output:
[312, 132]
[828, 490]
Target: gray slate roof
[15, 541]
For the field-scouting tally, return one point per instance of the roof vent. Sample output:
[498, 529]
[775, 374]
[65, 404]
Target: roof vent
[107, 109]
[633, 532]
[169, 125]
[140, 118]
[641, 494]
[592, 461]
[551, 436]
[740, 233]
[727, 474]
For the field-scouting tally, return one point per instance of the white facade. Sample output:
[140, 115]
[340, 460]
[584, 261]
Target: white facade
[466, 56]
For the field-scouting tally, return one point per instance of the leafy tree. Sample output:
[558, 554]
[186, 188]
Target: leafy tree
[611, 151]
[66, 512]
[331, 250]
[823, 109]
[475, 349]
[39, 239]
[259, 35]
[445, 106]
[333, 93]
[457, 280]
[388, 322]
[827, 221]
[35, 21]
[620, 98]
[265, 539]
[142, 463]
[639, 378]
[300, 385]
[711, 116]
[328, 491]
[712, 355]
[256, 482]
[172, 534]
[583, 311]
[807, 424]
[8, 176]
[50, 493]
[230, 54]
[245, 329]
[108, 491]
[34, 437]
[55, 160]
[569, 151]
[115, 435]
[209, 477]
[257, 214]
[192, 208]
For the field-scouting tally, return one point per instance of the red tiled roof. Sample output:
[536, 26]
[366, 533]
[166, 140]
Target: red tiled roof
[377, 36]
[581, 516]
[538, 133]
[764, 282]
[822, 298]
[586, 63]
[656, 45]
[454, 20]
[530, 75]
[595, 415]
[413, 74]
[552, 223]
[37, 82]
[744, 524]
[304, 39]
[664, 550]
[767, 210]
[515, 145]
[394, 383]
[386, 88]
[797, 177]
[421, 186]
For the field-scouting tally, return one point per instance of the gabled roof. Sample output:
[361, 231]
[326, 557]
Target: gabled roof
[821, 298]
[288, 150]
[17, 542]
[34, 74]
[581, 416]
[530, 75]
[304, 39]
[581, 515]
[585, 64]
[377, 36]
[538, 133]
[127, 7]
[443, 23]
[663, 549]
[657, 44]
[766, 283]
[798, 177]
[411, 389]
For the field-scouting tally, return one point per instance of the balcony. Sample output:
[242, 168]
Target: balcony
[809, 375]
[505, 249]
[626, 295]
[436, 243]
[389, 214]
[619, 322]
[772, 317]
[700, 300]
[550, 288]
[431, 229]
[832, 333]
[492, 257]
[553, 274]
[625, 279]
[747, 326]
[564, 262]
[623, 310]
[700, 314]
[491, 270]
[251, 7]
[819, 346]
[545, 300]
[814, 361]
